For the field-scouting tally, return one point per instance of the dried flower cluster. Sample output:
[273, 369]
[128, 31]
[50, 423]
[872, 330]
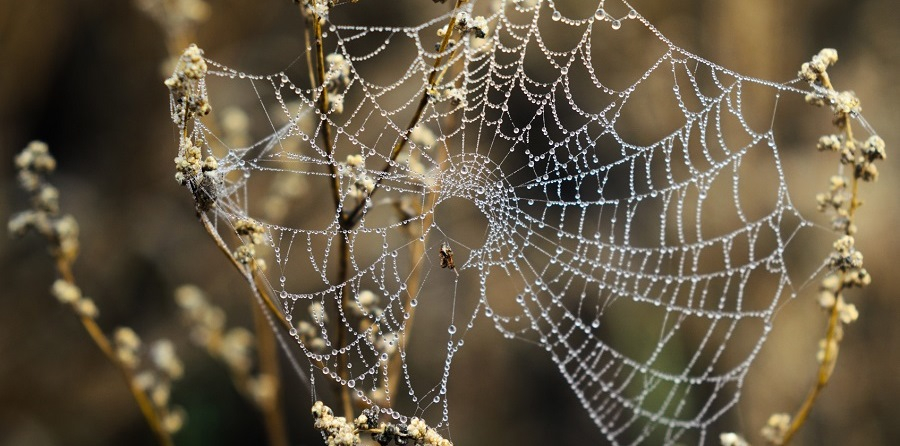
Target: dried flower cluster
[187, 89]
[840, 200]
[176, 17]
[189, 102]
[338, 431]
[33, 164]
[255, 234]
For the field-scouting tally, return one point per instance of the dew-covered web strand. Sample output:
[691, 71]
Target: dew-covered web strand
[562, 194]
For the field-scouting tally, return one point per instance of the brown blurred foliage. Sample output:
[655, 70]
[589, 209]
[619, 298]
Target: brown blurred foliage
[85, 77]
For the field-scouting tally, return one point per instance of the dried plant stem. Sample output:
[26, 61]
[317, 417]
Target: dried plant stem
[323, 109]
[267, 351]
[265, 340]
[832, 337]
[309, 61]
[251, 276]
[64, 269]
[822, 377]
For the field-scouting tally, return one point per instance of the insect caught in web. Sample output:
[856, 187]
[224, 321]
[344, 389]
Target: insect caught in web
[447, 257]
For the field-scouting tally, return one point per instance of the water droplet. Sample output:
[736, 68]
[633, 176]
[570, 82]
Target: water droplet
[451, 329]
[616, 24]
[632, 14]
[556, 16]
[600, 14]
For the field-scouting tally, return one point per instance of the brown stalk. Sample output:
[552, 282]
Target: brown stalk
[64, 268]
[826, 367]
[267, 352]
[822, 376]
[319, 81]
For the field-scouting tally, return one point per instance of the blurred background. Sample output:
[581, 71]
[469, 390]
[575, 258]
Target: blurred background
[86, 77]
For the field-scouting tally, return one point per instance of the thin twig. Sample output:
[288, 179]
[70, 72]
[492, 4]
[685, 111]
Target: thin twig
[267, 353]
[822, 377]
[324, 109]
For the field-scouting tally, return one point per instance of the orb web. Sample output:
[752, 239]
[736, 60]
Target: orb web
[616, 215]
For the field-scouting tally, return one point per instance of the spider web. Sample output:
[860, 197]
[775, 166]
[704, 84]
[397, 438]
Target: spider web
[617, 217]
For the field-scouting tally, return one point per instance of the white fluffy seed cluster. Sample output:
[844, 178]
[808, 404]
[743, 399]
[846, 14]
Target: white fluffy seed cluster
[732, 439]
[33, 163]
[361, 183]
[337, 430]
[315, 8]
[337, 79]
[440, 93]
[422, 137]
[69, 294]
[422, 434]
[467, 24]
[775, 428]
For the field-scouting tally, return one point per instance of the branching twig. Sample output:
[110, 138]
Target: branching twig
[846, 260]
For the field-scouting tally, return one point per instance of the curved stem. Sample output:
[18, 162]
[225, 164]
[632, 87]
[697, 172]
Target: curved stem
[822, 376]
[268, 365]
[102, 341]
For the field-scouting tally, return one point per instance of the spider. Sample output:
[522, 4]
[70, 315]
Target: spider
[446, 256]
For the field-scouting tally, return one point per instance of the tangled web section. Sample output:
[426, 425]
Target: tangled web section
[565, 174]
